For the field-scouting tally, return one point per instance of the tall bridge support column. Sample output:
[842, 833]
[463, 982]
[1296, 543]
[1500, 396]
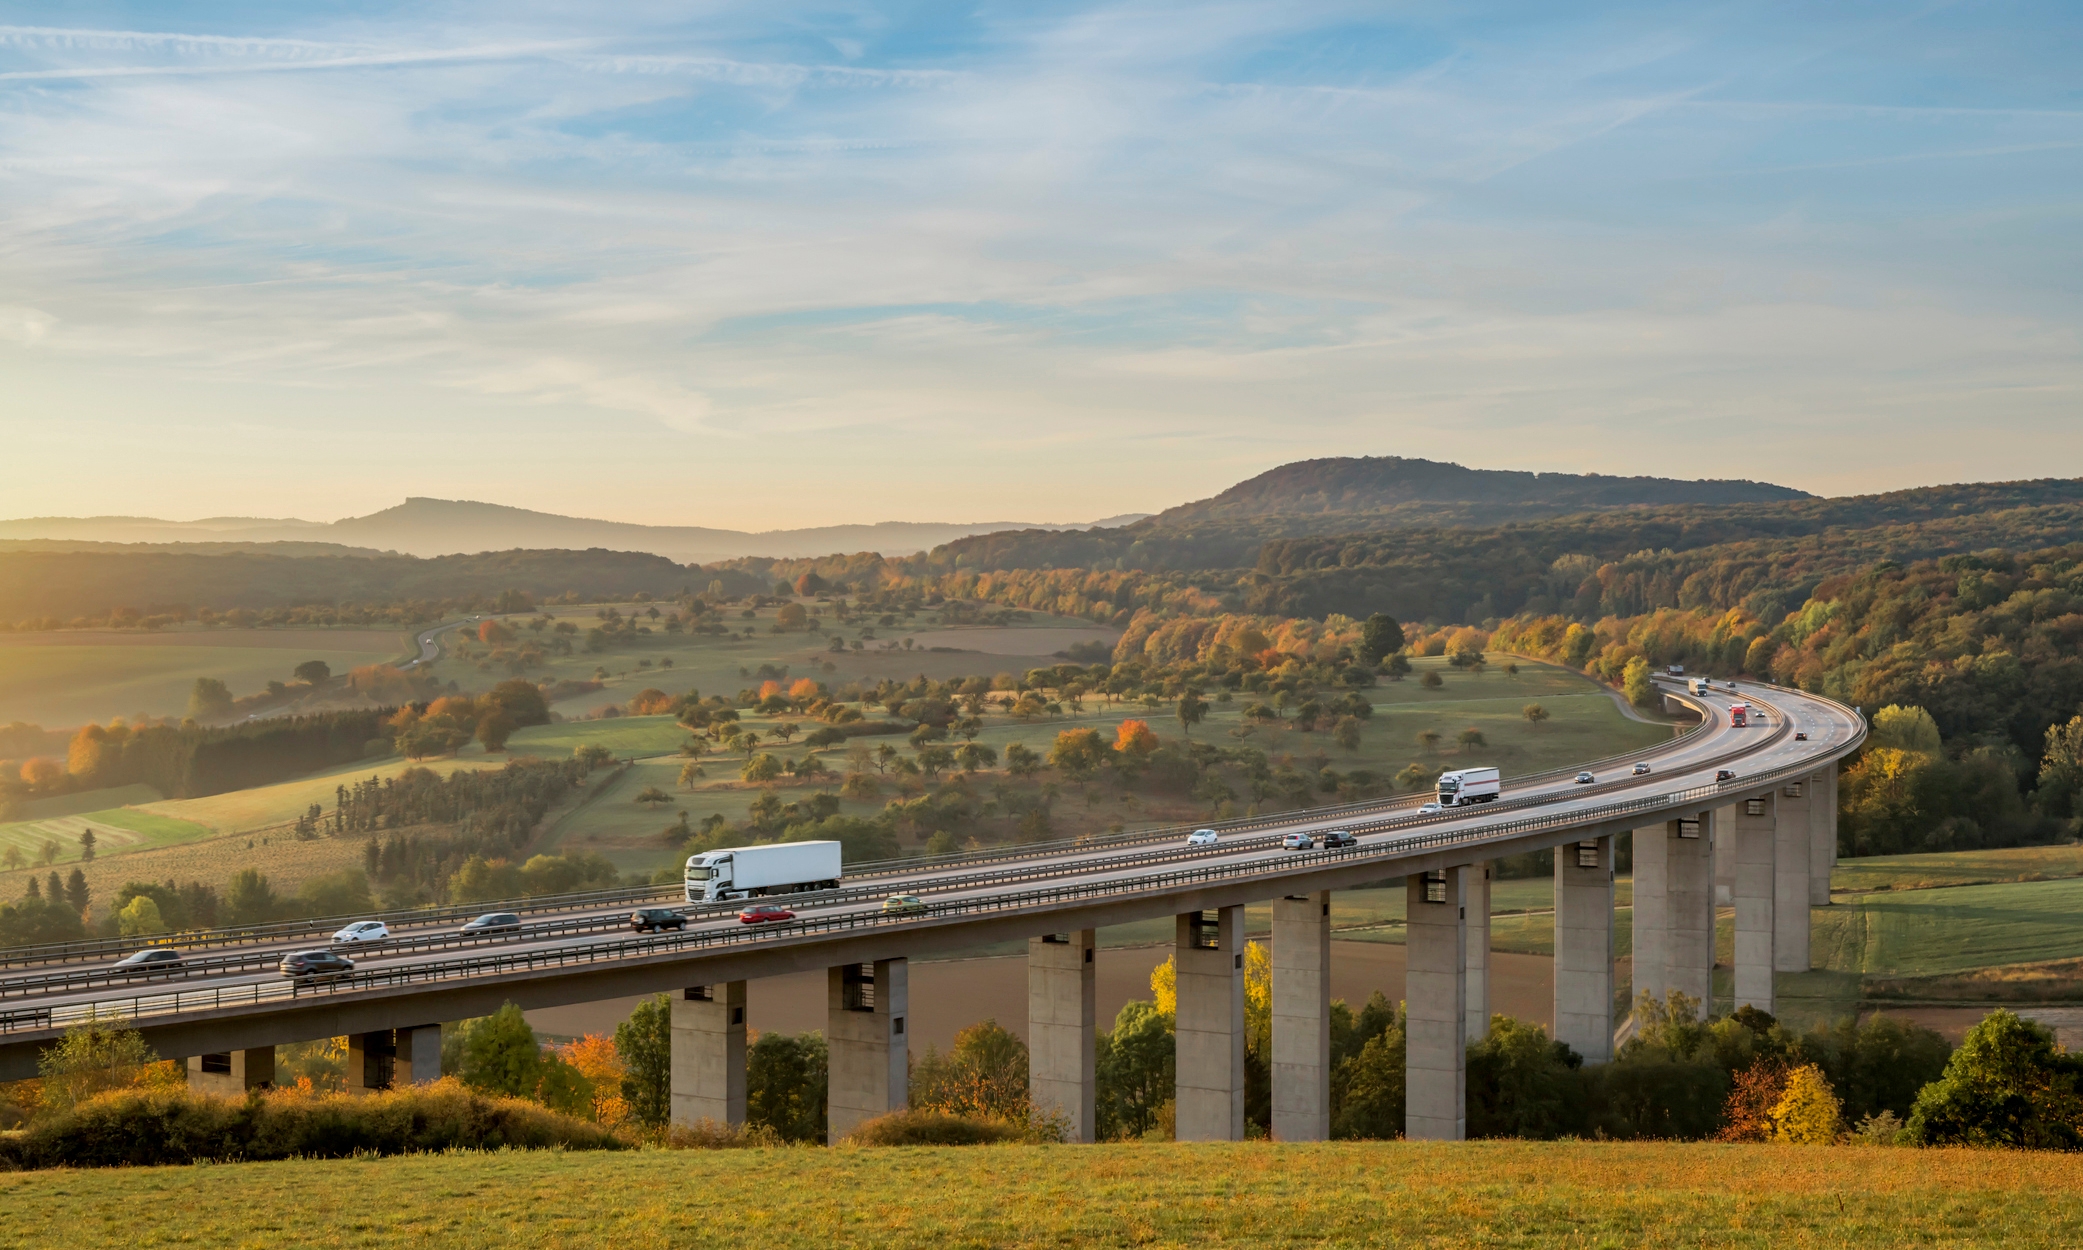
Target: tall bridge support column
[1435, 1080]
[869, 1062]
[1302, 1017]
[1791, 858]
[390, 1058]
[1674, 909]
[1755, 846]
[1584, 947]
[1208, 958]
[1822, 833]
[1062, 1018]
[708, 1054]
[231, 1073]
[1725, 858]
[1475, 948]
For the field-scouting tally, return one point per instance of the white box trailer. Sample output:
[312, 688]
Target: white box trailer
[752, 871]
[1467, 785]
[1700, 685]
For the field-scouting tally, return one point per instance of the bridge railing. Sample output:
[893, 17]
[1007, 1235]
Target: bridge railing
[140, 1006]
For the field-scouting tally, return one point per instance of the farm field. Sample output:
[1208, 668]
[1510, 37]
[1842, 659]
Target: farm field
[1918, 872]
[65, 678]
[1928, 932]
[1377, 1194]
[116, 831]
[285, 861]
[240, 810]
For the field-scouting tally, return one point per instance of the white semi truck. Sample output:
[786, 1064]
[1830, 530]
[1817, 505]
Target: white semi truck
[1467, 785]
[753, 871]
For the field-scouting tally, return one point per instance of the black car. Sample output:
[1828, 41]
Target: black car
[1724, 774]
[312, 965]
[492, 922]
[653, 919]
[1337, 838]
[149, 962]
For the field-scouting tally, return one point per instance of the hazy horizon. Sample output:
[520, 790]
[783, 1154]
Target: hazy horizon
[774, 268]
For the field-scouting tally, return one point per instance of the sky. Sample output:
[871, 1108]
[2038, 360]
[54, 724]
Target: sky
[769, 265]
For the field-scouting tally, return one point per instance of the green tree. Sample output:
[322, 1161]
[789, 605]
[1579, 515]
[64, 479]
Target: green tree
[1380, 637]
[250, 899]
[1471, 739]
[645, 1044]
[140, 918]
[1374, 1088]
[690, 772]
[87, 841]
[1429, 740]
[1905, 729]
[1347, 733]
[761, 769]
[76, 890]
[984, 1076]
[652, 796]
[1432, 680]
[89, 1059]
[1192, 710]
[785, 1085]
[1134, 1067]
[1020, 761]
[501, 1055]
[1535, 714]
[521, 700]
[313, 672]
[209, 700]
[2060, 792]
[2007, 1085]
[494, 729]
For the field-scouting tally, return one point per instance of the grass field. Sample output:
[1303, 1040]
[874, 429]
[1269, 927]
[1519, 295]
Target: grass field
[1918, 872]
[1928, 932]
[212, 861]
[69, 677]
[116, 831]
[1343, 1194]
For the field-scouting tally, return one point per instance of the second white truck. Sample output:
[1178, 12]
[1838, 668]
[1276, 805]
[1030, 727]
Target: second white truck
[754, 871]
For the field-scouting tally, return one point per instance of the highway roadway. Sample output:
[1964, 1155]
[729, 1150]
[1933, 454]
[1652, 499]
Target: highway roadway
[1055, 887]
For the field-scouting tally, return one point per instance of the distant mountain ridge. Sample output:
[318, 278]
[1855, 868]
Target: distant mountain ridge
[433, 527]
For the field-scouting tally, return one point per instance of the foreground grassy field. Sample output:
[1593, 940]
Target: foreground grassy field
[1375, 1194]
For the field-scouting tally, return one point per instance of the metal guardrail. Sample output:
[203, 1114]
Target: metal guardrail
[216, 998]
[290, 931]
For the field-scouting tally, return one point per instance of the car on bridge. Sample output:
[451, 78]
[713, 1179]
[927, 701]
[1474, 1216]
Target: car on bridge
[314, 965]
[492, 922]
[1339, 838]
[1724, 774]
[656, 919]
[149, 962]
[903, 905]
[1585, 779]
[363, 931]
[763, 913]
[1202, 837]
[1431, 809]
[1641, 769]
[1298, 842]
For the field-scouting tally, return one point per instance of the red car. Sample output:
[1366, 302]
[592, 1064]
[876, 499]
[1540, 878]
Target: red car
[761, 912]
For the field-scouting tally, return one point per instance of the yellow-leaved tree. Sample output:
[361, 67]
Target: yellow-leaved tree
[1258, 994]
[1808, 1113]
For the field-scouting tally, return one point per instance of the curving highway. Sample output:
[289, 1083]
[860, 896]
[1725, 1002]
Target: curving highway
[229, 996]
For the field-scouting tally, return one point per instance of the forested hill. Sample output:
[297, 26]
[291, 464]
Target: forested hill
[1298, 540]
[1392, 485]
[54, 587]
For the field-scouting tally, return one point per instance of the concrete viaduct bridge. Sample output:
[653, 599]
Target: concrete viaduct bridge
[1763, 839]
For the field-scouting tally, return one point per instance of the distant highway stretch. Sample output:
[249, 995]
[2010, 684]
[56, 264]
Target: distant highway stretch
[229, 996]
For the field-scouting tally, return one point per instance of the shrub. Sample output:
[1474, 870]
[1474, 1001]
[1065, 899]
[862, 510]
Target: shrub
[1808, 1113]
[2007, 1085]
[708, 1134]
[174, 1126]
[932, 1128]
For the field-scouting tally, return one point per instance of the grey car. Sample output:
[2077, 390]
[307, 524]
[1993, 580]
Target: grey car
[150, 961]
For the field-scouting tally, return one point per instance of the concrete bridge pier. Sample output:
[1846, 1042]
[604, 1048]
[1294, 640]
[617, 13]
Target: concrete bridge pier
[1792, 859]
[232, 1073]
[1209, 962]
[1435, 993]
[1584, 947]
[1755, 850]
[1475, 948]
[390, 1058]
[1822, 834]
[1725, 857]
[1302, 1017]
[708, 1054]
[1674, 909]
[1062, 1018]
[869, 1067]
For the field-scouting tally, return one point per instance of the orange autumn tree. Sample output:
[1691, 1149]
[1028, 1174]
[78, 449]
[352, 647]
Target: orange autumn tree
[1755, 1094]
[804, 690]
[1134, 738]
[595, 1057]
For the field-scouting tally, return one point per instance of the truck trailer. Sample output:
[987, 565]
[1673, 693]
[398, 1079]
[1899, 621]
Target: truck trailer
[754, 871]
[1467, 785]
[1739, 714]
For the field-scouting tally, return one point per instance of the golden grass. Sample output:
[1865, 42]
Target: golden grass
[1394, 1194]
[212, 861]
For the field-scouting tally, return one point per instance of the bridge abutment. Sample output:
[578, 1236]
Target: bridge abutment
[869, 1068]
[1435, 997]
[1062, 1019]
[1208, 962]
[708, 1054]
[1302, 1017]
[1584, 947]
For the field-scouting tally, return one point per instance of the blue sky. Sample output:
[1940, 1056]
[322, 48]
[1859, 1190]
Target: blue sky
[768, 265]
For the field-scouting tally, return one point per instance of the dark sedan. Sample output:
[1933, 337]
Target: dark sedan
[656, 919]
[149, 962]
[314, 965]
[492, 922]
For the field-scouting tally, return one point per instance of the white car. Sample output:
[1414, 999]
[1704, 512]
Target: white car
[1298, 842]
[1431, 809]
[363, 931]
[1201, 837]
